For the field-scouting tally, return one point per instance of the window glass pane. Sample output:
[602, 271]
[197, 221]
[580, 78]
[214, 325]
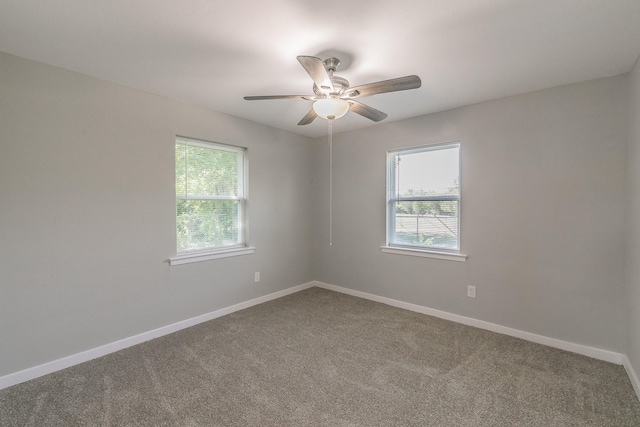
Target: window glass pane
[433, 172]
[427, 223]
[205, 223]
[211, 172]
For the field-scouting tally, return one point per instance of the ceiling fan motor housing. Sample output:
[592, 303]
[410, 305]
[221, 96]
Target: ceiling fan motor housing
[340, 85]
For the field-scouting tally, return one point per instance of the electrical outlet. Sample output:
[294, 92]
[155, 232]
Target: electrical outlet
[471, 291]
[256, 277]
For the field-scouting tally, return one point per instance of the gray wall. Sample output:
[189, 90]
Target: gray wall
[87, 213]
[543, 213]
[633, 252]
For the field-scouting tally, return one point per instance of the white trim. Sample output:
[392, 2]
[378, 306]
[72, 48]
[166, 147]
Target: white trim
[185, 140]
[189, 257]
[75, 359]
[449, 256]
[430, 146]
[596, 353]
[635, 382]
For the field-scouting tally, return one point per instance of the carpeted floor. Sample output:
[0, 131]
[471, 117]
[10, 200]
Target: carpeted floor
[320, 358]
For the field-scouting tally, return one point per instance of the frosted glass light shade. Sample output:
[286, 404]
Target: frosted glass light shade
[333, 108]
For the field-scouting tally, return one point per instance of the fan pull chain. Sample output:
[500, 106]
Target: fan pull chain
[330, 182]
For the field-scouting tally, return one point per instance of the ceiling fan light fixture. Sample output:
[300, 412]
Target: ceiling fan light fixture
[331, 108]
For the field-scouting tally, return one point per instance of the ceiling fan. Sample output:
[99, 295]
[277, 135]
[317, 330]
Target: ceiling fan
[333, 98]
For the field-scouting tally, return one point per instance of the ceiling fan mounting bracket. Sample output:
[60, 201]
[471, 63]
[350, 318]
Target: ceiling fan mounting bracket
[331, 64]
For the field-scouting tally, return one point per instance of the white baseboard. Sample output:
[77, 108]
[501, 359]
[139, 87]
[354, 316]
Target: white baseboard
[65, 362]
[85, 356]
[596, 353]
[632, 374]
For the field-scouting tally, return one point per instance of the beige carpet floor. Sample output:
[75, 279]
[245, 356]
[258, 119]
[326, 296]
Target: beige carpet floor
[320, 358]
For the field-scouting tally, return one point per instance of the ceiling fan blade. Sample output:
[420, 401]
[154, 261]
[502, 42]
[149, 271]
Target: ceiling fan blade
[258, 98]
[393, 85]
[318, 73]
[311, 115]
[366, 111]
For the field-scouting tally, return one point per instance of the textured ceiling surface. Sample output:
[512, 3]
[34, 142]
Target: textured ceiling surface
[212, 53]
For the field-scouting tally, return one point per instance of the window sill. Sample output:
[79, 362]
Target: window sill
[189, 257]
[425, 253]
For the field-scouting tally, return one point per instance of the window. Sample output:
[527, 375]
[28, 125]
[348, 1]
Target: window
[423, 198]
[209, 196]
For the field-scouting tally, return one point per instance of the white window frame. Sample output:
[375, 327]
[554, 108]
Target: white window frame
[393, 198]
[215, 252]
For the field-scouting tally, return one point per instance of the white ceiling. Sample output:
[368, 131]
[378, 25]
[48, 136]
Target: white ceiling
[212, 53]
